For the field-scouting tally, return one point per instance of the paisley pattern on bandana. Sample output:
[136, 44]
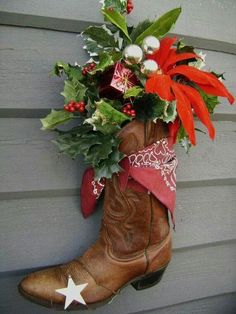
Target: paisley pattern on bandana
[159, 156]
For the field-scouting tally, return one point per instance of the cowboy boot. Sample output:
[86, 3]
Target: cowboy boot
[134, 244]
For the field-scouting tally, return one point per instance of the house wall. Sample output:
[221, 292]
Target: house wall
[40, 219]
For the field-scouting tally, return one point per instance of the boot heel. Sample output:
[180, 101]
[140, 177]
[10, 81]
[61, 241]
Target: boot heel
[150, 280]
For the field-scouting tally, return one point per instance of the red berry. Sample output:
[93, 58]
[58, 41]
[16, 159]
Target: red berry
[77, 106]
[132, 111]
[71, 109]
[133, 115]
[66, 107]
[85, 70]
[129, 106]
[130, 6]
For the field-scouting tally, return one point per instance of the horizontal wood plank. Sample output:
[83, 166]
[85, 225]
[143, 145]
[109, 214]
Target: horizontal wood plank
[43, 224]
[24, 70]
[192, 274]
[30, 162]
[78, 15]
[213, 305]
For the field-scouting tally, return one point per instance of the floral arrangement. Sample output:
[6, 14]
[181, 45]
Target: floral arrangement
[133, 73]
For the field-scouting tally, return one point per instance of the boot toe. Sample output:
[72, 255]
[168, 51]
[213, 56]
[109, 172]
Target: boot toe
[40, 287]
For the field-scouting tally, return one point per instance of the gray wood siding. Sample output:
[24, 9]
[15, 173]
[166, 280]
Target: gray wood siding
[41, 223]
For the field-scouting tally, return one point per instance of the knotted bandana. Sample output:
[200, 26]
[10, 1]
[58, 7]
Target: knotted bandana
[152, 169]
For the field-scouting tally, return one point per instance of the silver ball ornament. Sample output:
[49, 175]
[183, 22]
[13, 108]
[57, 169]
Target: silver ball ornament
[149, 67]
[150, 45]
[132, 54]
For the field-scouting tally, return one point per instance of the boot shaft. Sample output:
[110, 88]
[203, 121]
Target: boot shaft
[133, 220]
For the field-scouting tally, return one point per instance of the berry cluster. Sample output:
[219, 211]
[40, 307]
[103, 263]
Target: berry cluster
[73, 106]
[129, 111]
[88, 68]
[129, 7]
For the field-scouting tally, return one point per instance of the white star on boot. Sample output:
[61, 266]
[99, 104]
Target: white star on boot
[72, 292]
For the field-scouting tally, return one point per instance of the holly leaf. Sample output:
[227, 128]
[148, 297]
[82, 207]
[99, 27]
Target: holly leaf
[72, 72]
[100, 150]
[59, 68]
[110, 114]
[55, 118]
[75, 73]
[106, 119]
[109, 166]
[117, 5]
[183, 139]
[139, 29]
[118, 20]
[106, 60]
[219, 75]
[170, 113]
[149, 107]
[99, 38]
[161, 26]
[210, 100]
[73, 90]
[133, 92]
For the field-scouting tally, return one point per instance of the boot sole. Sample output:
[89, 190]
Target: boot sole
[139, 283]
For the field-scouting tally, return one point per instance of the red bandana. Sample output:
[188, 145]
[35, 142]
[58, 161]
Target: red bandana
[152, 169]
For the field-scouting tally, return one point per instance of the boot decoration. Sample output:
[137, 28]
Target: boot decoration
[155, 163]
[72, 293]
[135, 97]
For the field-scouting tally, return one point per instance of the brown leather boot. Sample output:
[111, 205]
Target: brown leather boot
[134, 244]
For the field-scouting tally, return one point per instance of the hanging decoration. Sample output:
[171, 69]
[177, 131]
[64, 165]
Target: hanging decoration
[137, 96]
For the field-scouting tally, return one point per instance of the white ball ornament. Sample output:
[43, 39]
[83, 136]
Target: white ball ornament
[149, 67]
[132, 54]
[150, 45]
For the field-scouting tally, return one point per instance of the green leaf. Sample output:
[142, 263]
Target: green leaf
[118, 20]
[55, 118]
[73, 90]
[133, 92]
[183, 139]
[99, 38]
[170, 113]
[99, 150]
[117, 5]
[181, 47]
[72, 72]
[210, 101]
[110, 165]
[149, 107]
[110, 114]
[106, 60]
[75, 73]
[59, 68]
[139, 29]
[161, 26]
[218, 75]
[106, 119]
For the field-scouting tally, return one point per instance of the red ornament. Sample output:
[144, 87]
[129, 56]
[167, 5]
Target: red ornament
[116, 81]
